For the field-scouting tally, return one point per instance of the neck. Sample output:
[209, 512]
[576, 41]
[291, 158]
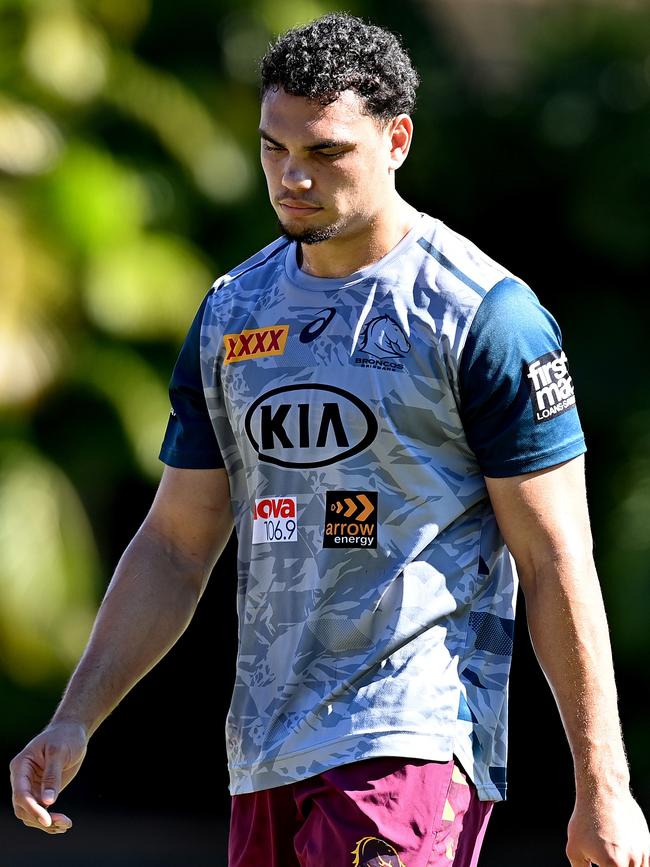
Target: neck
[341, 256]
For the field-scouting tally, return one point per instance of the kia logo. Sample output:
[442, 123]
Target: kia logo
[302, 426]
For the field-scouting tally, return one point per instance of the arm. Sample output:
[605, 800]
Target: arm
[544, 520]
[147, 606]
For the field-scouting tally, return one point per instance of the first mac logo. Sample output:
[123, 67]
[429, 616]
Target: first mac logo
[301, 426]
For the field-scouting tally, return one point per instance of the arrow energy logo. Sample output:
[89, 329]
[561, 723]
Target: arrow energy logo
[551, 387]
[350, 519]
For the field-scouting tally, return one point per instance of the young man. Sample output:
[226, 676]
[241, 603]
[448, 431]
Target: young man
[381, 408]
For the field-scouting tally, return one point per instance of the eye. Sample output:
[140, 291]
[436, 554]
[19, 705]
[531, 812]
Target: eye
[331, 155]
[268, 147]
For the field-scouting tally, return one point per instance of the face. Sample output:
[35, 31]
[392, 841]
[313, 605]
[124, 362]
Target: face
[328, 168]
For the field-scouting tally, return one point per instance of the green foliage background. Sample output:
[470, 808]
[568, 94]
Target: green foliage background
[129, 180]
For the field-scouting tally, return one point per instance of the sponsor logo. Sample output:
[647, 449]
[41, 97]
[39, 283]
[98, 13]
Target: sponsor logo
[551, 387]
[378, 364]
[314, 329]
[275, 519]
[255, 343]
[302, 426]
[382, 338]
[350, 519]
[374, 852]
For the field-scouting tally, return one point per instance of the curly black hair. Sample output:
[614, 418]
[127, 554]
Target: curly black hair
[339, 52]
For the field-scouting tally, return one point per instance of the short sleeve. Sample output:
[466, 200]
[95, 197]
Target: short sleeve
[517, 400]
[190, 441]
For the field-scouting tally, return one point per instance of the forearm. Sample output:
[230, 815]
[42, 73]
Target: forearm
[147, 606]
[569, 632]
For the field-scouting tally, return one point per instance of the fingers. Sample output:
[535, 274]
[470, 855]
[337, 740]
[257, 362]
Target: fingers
[51, 780]
[59, 824]
[575, 856]
[25, 773]
[23, 798]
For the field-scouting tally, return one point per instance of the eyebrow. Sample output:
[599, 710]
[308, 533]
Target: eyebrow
[322, 145]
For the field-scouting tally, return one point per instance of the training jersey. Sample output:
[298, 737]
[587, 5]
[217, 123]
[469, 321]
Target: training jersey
[357, 418]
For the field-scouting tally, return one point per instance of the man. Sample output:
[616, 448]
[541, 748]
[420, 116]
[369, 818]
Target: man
[378, 405]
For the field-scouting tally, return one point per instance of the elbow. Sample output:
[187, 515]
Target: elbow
[190, 567]
[556, 570]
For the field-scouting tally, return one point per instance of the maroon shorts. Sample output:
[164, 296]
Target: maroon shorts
[385, 811]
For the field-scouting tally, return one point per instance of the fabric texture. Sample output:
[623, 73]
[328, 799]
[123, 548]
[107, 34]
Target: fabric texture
[357, 418]
[384, 811]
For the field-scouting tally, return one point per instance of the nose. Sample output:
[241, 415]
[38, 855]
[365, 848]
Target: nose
[295, 176]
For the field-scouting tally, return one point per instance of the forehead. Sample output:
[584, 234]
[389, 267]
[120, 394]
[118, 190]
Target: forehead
[283, 114]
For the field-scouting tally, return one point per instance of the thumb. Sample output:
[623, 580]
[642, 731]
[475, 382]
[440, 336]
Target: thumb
[51, 783]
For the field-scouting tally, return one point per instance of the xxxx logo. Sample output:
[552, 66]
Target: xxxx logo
[255, 343]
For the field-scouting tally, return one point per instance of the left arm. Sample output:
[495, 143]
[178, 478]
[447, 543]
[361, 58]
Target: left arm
[544, 520]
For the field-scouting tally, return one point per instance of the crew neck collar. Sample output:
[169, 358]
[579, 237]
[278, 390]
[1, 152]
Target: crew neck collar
[308, 281]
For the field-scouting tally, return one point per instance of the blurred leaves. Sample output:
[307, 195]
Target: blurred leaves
[30, 142]
[627, 556]
[64, 52]
[48, 567]
[128, 182]
[93, 202]
[95, 264]
[144, 288]
[33, 286]
[135, 392]
[183, 125]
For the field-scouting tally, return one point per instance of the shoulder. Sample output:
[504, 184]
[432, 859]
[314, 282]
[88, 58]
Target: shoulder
[463, 268]
[511, 314]
[267, 258]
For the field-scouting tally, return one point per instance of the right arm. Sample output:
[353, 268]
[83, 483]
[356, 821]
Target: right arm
[147, 606]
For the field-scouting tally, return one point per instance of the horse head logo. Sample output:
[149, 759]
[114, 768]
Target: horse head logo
[382, 337]
[373, 852]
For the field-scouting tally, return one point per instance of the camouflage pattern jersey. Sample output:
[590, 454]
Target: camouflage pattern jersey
[356, 418]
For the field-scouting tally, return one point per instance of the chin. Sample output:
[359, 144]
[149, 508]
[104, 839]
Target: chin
[309, 236]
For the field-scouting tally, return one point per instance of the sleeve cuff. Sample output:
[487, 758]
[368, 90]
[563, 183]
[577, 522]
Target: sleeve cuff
[529, 464]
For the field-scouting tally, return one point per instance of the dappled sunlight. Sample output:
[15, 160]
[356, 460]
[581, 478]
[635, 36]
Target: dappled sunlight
[279, 15]
[33, 288]
[143, 289]
[29, 359]
[94, 200]
[64, 52]
[123, 18]
[49, 568]
[184, 126]
[244, 41]
[30, 142]
[627, 559]
[130, 181]
[137, 394]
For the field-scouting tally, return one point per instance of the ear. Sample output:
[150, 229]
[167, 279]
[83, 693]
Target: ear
[400, 134]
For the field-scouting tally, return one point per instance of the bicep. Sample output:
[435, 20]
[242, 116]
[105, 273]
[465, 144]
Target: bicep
[543, 517]
[191, 512]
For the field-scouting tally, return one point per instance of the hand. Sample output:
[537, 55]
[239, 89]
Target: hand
[609, 831]
[42, 770]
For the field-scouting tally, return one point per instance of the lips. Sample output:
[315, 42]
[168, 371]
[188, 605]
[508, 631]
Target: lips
[298, 213]
[299, 206]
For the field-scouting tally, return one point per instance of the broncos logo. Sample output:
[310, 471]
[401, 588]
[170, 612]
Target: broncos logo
[382, 337]
[373, 852]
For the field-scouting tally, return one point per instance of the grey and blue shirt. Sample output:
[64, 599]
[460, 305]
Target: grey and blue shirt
[356, 418]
